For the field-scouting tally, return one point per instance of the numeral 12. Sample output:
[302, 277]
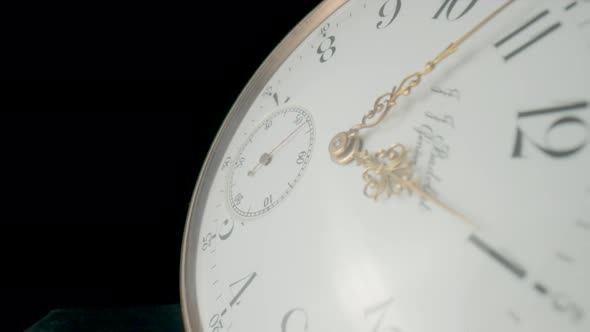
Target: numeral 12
[562, 121]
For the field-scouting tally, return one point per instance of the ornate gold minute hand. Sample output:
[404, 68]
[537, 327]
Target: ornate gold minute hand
[388, 171]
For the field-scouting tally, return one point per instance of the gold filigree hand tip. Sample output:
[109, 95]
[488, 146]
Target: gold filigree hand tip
[386, 171]
[389, 173]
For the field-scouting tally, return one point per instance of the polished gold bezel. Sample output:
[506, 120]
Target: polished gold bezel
[189, 300]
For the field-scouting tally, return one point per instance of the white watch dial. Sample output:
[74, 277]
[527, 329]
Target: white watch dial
[281, 238]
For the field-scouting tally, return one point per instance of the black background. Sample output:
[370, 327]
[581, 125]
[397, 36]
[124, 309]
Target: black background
[97, 173]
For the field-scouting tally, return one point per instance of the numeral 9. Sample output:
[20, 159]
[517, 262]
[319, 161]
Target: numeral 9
[392, 16]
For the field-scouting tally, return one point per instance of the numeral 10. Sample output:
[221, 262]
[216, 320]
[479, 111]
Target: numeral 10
[390, 10]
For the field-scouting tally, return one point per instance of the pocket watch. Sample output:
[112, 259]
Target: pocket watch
[402, 166]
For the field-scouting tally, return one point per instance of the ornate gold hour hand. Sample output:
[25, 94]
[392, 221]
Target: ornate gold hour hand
[388, 172]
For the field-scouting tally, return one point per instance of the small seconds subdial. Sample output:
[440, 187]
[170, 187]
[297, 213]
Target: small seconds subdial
[271, 162]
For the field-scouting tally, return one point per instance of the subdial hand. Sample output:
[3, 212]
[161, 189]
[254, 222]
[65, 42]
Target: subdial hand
[266, 158]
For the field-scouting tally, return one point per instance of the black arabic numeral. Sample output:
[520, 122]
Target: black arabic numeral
[450, 6]
[238, 199]
[240, 162]
[226, 163]
[215, 323]
[301, 157]
[246, 283]
[324, 29]
[207, 240]
[277, 100]
[289, 315]
[566, 306]
[268, 124]
[561, 122]
[267, 201]
[298, 119]
[327, 51]
[385, 13]
[268, 91]
[227, 227]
